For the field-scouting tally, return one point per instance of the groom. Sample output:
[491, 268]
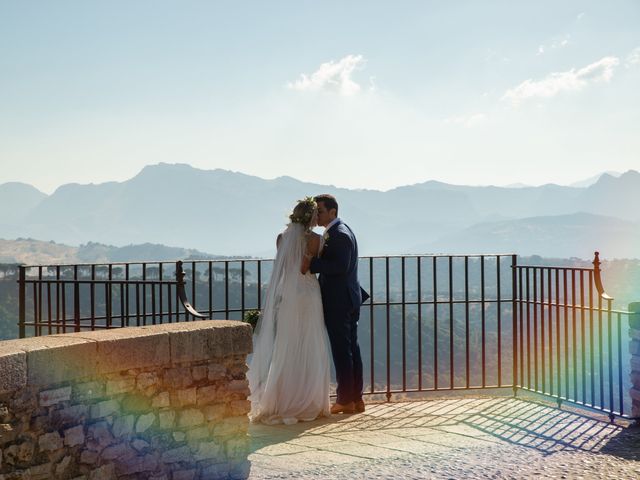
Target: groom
[341, 299]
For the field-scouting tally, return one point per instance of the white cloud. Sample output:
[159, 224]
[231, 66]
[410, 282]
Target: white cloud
[332, 77]
[467, 121]
[557, 82]
[558, 43]
[580, 16]
[633, 58]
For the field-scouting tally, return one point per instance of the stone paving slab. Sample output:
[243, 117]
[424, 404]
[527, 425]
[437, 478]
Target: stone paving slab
[494, 437]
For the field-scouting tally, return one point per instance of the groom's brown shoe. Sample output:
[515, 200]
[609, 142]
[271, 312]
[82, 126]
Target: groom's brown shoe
[346, 408]
[359, 406]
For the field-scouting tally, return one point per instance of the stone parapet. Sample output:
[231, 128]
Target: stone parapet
[163, 402]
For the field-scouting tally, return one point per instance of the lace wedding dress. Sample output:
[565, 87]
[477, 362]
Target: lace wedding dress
[289, 369]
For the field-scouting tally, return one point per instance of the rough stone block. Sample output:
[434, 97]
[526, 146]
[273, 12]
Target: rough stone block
[635, 363]
[207, 395]
[59, 358]
[74, 436]
[104, 408]
[40, 472]
[105, 472]
[128, 348]
[123, 426]
[240, 470]
[19, 453]
[177, 378]
[231, 426]
[13, 367]
[140, 445]
[50, 442]
[145, 422]
[634, 347]
[210, 451]
[119, 451]
[89, 457]
[179, 437]
[166, 418]
[63, 468]
[87, 391]
[7, 433]
[71, 415]
[214, 412]
[121, 385]
[216, 371]
[219, 470]
[99, 436]
[161, 400]
[199, 373]
[198, 433]
[183, 398]
[239, 407]
[52, 397]
[190, 418]
[147, 379]
[176, 455]
[635, 394]
[184, 474]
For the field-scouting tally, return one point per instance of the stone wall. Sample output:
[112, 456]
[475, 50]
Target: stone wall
[634, 349]
[158, 402]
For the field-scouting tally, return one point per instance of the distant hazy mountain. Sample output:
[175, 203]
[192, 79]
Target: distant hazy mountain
[236, 214]
[37, 252]
[564, 236]
[17, 200]
[587, 182]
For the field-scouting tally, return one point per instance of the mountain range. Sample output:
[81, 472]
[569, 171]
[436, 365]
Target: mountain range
[232, 213]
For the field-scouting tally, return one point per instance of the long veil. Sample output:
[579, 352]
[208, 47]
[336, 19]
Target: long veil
[285, 277]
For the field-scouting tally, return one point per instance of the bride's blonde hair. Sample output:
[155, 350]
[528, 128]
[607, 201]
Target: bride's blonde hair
[303, 212]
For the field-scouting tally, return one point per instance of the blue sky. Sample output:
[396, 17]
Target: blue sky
[355, 94]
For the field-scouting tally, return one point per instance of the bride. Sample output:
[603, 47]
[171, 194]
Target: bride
[289, 369]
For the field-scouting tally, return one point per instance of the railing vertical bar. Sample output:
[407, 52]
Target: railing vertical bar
[22, 301]
[58, 306]
[153, 303]
[620, 394]
[137, 304]
[404, 332]
[109, 296]
[466, 321]
[451, 325]
[550, 328]
[64, 308]
[600, 353]
[193, 295]
[160, 296]
[38, 328]
[419, 273]
[211, 289]
[49, 306]
[435, 322]
[528, 275]
[144, 293]
[482, 324]
[107, 303]
[76, 300]
[371, 326]
[169, 306]
[128, 305]
[610, 351]
[259, 284]
[514, 325]
[92, 294]
[388, 330]
[535, 327]
[558, 338]
[40, 297]
[591, 341]
[543, 369]
[575, 334]
[522, 332]
[226, 289]
[583, 338]
[565, 314]
[499, 314]
[242, 280]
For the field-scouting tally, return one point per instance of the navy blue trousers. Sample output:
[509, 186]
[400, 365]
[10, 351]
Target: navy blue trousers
[342, 328]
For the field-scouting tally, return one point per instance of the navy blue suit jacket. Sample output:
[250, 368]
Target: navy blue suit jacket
[338, 269]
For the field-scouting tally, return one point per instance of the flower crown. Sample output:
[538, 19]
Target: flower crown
[304, 218]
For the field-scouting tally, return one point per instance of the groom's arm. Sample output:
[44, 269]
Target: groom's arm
[336, 259]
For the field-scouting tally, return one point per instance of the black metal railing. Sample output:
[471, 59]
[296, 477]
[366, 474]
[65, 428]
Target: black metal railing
[570, 339]
[433, 322]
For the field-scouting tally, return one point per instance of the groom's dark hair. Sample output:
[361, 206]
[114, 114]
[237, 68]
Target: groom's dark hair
[328, 200]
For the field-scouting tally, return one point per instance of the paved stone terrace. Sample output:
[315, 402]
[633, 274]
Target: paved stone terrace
[450, 438]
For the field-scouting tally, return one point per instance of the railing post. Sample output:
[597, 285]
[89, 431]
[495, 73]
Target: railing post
[76, 306]
[22, 300]
[514, 318]
[634, 350]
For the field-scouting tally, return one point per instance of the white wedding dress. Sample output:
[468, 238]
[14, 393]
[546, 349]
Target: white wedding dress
[289, 369]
